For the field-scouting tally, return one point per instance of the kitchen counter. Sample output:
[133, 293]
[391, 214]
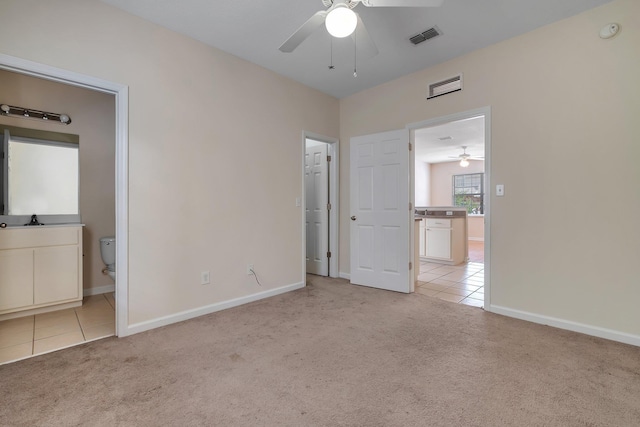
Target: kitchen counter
[440, 212]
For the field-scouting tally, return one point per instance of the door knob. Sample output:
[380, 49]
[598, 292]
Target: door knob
[353, 218]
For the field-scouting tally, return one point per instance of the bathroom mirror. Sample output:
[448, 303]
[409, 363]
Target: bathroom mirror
[39, 176]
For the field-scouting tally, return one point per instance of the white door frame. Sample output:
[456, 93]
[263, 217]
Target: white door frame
[121, 93]
[334, 199]
[486, 112]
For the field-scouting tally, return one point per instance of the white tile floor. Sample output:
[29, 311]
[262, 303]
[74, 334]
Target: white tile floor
[42, 333]
[462, 284]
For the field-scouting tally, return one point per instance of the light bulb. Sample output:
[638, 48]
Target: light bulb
[5, 108]
[464, 163]
[64, 118]
[341, 21]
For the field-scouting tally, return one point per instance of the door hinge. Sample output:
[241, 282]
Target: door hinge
[328, 254]
[410, 266]
[328, 206]
[410, 206]
[328, 158]
[410, 147]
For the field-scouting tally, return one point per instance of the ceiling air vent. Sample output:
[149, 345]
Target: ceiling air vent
[443, 87]
[425, 35]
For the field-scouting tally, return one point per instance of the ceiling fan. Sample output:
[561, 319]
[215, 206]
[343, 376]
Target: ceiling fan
[464, 157]
[342, 21]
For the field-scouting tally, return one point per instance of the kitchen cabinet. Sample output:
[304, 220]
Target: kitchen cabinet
[40, 268]
[444, 240]
[438, 238]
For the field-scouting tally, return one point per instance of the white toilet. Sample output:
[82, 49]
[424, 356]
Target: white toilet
[108, 252]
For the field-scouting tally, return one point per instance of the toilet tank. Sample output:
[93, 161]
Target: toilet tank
[108, 250]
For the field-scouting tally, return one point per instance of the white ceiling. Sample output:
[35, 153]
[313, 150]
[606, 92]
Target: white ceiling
[254, 30]
[434, 146]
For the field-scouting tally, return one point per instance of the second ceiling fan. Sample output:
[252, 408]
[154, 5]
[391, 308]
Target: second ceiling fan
[342, 21]
[464, 157]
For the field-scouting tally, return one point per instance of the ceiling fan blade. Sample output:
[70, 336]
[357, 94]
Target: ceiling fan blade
[304, 31]
[364, 43]
[402, 3]
[460, 157]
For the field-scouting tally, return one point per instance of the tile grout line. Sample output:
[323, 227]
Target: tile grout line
[84, 338]
[33, 336]
[473, 276]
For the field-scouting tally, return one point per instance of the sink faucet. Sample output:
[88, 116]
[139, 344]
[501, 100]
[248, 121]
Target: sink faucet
[34, 220]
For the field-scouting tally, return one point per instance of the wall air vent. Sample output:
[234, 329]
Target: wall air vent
[425, 35]
[443, 87]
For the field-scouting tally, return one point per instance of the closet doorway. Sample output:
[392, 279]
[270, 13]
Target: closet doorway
[320, 205]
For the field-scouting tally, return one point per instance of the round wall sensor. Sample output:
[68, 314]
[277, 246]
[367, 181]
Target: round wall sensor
[609, 31]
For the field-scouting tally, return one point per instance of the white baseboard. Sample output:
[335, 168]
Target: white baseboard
[595, 331]
[345, 275]
[476, 239]
[99, 290]
[208, 309]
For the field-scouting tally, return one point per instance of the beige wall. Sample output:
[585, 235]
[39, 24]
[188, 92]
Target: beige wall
[565, 238]
[215, 151]
[422, 176]
[475, 227]
[93, 119]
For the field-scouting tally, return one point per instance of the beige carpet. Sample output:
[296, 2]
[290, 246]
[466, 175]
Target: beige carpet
[332, 354]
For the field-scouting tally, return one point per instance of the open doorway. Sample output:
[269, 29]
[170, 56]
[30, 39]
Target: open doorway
[450, 178]
[100, 294]
[320, 205]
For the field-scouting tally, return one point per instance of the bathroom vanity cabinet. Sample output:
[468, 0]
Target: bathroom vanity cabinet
[40, 269]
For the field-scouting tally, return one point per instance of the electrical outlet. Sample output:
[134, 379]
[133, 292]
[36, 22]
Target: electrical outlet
[249, 269]
[204, 278]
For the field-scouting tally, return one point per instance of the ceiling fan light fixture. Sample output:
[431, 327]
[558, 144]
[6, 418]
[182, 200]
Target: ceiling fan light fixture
[464, 162]
[341, 21]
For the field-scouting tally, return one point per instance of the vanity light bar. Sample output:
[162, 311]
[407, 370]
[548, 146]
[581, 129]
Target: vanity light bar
[27, 113]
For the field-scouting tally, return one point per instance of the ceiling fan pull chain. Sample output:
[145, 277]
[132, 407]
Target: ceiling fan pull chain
[355, 54]
[331, 67]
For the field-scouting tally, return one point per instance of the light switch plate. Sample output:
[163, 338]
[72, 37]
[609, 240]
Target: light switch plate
[205, 278]
[500, 190]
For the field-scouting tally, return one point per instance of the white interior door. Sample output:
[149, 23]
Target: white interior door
[316, 181]
[380, 211]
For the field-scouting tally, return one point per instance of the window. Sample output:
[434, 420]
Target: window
[468, 192]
